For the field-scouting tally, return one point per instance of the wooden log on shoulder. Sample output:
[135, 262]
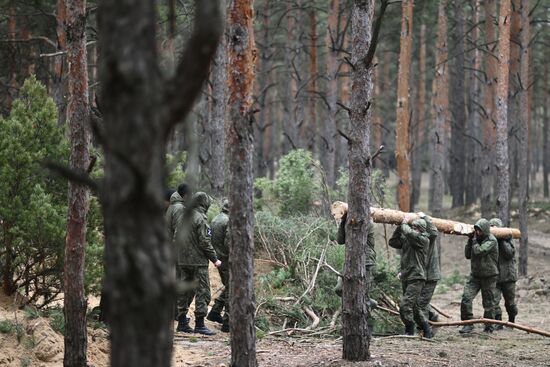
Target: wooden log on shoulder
[391, 216]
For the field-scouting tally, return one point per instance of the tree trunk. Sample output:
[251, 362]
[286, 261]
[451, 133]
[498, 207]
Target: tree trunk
[217, 120]
[488, 148]
[419, 130]
[59, 79]
[310, 127]
[12, 55]
[241, 217]
[514, 91]
[290, 130]
[523, 133]
[79, 202]
[545, 128]
[356, 341]
[503, 178]
[376, 113]
[139, 110]
[440, 100]
[403, 112]
[328, 149]
[473, 152]
[458, 158]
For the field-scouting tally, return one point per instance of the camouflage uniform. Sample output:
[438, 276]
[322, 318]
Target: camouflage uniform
[414, 246]
[194, 250]
[433, 274]
[483, 252]
[508, 276]
[174, 215]
[220, 242]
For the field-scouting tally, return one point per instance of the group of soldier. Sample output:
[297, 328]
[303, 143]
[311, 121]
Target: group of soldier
[493, 272]
[196, 244]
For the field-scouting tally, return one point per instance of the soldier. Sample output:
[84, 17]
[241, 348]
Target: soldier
[220, 242]
[433, 274]
[192, 239]
[176, 209]
[414, 243]
[508, 276]
[482, 250]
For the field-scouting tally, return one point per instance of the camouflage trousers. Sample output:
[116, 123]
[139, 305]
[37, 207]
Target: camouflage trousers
[424, 300]
[409, 308]
[508, 291]
[222, 302]
[193, 283]
[487, 286]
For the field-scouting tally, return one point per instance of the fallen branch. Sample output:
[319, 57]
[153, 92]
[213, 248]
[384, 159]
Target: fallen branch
[333, 270]
[408, 337]
[440, 312]
[387, 310]
[313, 317]
[491, 321]
[314, 278]
[334, 319]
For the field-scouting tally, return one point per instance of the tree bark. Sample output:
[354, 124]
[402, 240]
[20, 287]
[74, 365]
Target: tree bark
[356, 341]
[59, 64]
[217, 120]
[489, 134]
[139, 110]
[503, 178]
[545, 128]
[12, 55]
[514, 91]
[403, 112]
[79, 202]
[376, 113]
[241, 218]
[440, 100]
[328, 149]
[310, 128]
[419, 130]
[523, 132]
[458, 156]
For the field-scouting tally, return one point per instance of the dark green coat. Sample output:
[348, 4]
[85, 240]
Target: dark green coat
[174, 214]
[483, 252]
[433, 271]
[507, 261]
[414, 252]
[341, 239]
[220, 237]
[193, 239]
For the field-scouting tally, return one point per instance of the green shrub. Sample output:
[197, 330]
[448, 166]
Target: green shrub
[57, 320]
[6, 326]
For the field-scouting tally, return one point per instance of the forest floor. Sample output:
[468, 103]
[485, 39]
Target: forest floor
[33, 342]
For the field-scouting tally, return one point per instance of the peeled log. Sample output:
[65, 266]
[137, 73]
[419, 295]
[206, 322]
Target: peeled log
[390, 216]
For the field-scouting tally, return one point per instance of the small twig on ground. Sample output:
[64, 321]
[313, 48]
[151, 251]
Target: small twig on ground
[407, 337]
[436, 309]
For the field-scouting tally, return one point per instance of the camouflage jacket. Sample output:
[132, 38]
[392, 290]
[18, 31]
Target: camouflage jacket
[483, 252]
[414, 248]
[220, 238]
[341, 239]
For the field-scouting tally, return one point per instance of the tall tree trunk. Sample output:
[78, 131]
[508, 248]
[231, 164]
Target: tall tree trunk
[79, 202]
[523, 132]
[12, 54]
[290, 130]
[217, 120]
[356, 278]
[514, 88]
[328, 149]
[473, 153]
[457, 162]
[545, 128]
[376, 113]
[139, 109]
[241, 217]
[488, 148]
[440, 103]
[503, 177]
[419, 131]
[403, 112]
[309, 132]
[59, 79]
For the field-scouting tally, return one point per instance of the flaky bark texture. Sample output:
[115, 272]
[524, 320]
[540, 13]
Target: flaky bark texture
[514, 91]
[139, 110]
[523, 156]
[503, 178]
[489, 133]
[403, 113]
[545, 128]
[309, 133]
[458, 156]
[217, 120]
[79, 202]
[440, 99]
[356, 341]
[240, 135]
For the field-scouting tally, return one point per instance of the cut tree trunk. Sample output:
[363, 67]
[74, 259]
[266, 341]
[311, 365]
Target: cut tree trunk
[390, 216]
[491, 321]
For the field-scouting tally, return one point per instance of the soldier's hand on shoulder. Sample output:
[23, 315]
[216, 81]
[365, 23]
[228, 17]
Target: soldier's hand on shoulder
[218, 263]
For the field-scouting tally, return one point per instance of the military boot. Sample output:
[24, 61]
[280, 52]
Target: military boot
[488, 328]
[200, 328]
[215, 316]
[225, 326]
[409, 328]
[467, 329]
[499, 326]
[183, 324]
[427, 330]
[512, 318]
